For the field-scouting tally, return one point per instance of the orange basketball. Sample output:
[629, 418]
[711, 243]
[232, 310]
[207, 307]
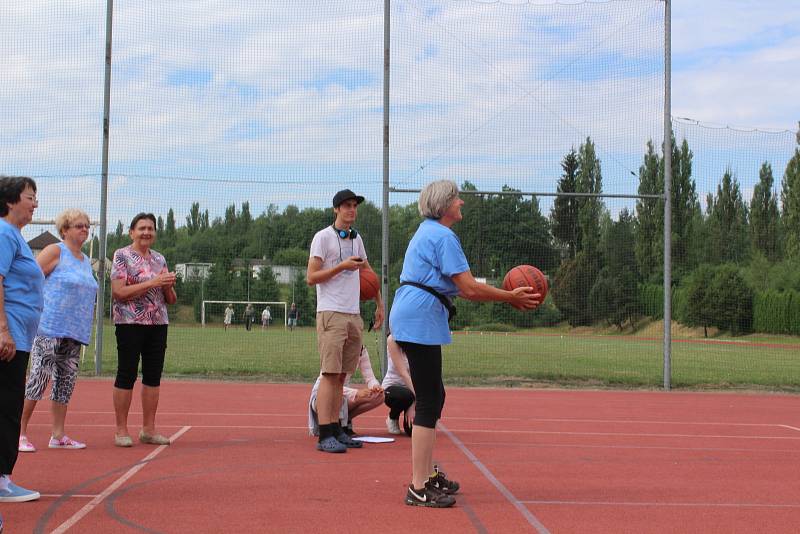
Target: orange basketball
[369, 284]
[526, 276]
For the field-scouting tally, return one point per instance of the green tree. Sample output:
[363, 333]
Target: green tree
[564, 214]
[685, 206]
[169, 229]
[193, 219]
[305, 298]
[573, 283]
[727, 220]
[765, 217]
[650, 217]
[790, 200]
[614, 294]
[295, 256]
[699, 309]
[589, 180]
[265, 287]
[732, 300]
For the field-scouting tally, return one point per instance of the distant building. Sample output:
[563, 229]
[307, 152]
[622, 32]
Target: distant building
[193, 271]
[284, 274]
[38, 243]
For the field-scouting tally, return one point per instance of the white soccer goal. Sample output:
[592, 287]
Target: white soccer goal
[217, 308]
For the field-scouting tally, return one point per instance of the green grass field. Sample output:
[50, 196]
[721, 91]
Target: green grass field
[543, 356]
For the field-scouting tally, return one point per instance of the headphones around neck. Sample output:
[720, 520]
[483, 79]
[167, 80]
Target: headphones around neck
[345, 234]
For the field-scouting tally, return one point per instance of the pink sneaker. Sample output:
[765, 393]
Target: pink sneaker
[65, 442]
[25, 445]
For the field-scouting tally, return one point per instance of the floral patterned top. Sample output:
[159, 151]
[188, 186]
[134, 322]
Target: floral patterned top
[149, 308]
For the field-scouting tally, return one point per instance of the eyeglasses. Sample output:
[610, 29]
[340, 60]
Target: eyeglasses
[32, 198]
[81, 226]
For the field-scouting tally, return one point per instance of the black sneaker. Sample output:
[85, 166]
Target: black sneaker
[429, 497]
[349, 431]
[441, 483]
[348, 442]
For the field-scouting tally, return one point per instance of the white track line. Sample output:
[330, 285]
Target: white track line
[790, 427]
[493, 432]
[657, 504]
[80, 514]
[76, 496]
[454, 418]
[624, 447]
[516, 503]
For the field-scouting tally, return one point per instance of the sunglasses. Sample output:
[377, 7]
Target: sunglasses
[81, 226]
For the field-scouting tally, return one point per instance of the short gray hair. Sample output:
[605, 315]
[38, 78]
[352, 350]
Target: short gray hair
[436, 197]
[67, 217]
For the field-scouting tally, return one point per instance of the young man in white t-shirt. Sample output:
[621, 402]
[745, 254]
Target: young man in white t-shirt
[337, 254]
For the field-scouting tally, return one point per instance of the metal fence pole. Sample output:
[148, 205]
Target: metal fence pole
[385, 214]
[101, 263]
[667, 196]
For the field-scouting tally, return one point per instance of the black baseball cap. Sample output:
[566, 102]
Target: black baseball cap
[345, 194]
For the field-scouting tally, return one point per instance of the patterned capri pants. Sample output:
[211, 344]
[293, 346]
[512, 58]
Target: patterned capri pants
[54, 357]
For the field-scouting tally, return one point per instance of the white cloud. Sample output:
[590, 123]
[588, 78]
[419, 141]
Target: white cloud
[476, 93]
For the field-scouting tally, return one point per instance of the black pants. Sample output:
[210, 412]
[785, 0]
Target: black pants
[425, 366]
[147, 341]
[398, 399]
[12, 396]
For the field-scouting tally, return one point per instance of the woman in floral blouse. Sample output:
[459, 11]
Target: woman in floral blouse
[141, 286]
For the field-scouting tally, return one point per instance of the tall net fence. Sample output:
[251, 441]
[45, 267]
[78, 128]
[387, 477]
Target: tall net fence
[236, 122]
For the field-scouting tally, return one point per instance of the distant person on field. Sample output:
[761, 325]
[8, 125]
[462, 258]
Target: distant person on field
[435, 270]
[398, 389]
[266, 316]
[21, 302]
[249, 316]
[70, 290]
[228, 316]
[141, 287]
[337, 254]
[292, 316]
[355, 401]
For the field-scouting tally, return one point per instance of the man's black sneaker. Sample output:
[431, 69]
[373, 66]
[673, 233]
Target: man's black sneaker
[441, 483]
[348, 442]
[428, 496]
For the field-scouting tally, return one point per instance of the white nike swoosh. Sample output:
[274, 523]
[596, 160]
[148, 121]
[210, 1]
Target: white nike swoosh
[423, 497]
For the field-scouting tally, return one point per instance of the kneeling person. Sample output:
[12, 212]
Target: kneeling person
[354, 401]
[398, 390]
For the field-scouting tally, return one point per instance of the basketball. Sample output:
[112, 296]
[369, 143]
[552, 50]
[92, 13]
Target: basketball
[526, 276]
[369, 284]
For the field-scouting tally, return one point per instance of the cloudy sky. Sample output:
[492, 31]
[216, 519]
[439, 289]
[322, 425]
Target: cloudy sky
[220, 101]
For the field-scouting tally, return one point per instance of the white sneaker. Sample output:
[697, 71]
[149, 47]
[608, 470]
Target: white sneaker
[393, 426]
[25, 445]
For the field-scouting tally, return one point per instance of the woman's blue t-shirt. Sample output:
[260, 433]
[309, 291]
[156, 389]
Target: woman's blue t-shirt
[433, 256]
[22, 286]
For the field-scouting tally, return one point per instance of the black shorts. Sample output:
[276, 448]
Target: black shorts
[133, 341]
[425, 366]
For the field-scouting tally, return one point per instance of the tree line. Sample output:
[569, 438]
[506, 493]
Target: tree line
[601, 267]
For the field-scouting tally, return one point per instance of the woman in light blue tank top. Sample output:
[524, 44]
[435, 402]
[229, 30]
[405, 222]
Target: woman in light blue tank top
[70, 290]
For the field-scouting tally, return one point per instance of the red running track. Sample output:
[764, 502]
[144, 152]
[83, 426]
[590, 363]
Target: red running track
[559, 461]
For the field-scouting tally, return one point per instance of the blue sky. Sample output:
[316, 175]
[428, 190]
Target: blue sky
[223, 101]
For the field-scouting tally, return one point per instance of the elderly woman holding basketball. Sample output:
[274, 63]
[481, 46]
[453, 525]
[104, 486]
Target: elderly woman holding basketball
[65, 326]
[435, 269]
[141, 286]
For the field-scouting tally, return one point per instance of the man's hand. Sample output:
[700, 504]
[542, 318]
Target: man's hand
[378, 321]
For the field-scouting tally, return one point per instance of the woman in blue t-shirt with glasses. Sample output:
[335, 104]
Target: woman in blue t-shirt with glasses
[434, 271]
[21, 302]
